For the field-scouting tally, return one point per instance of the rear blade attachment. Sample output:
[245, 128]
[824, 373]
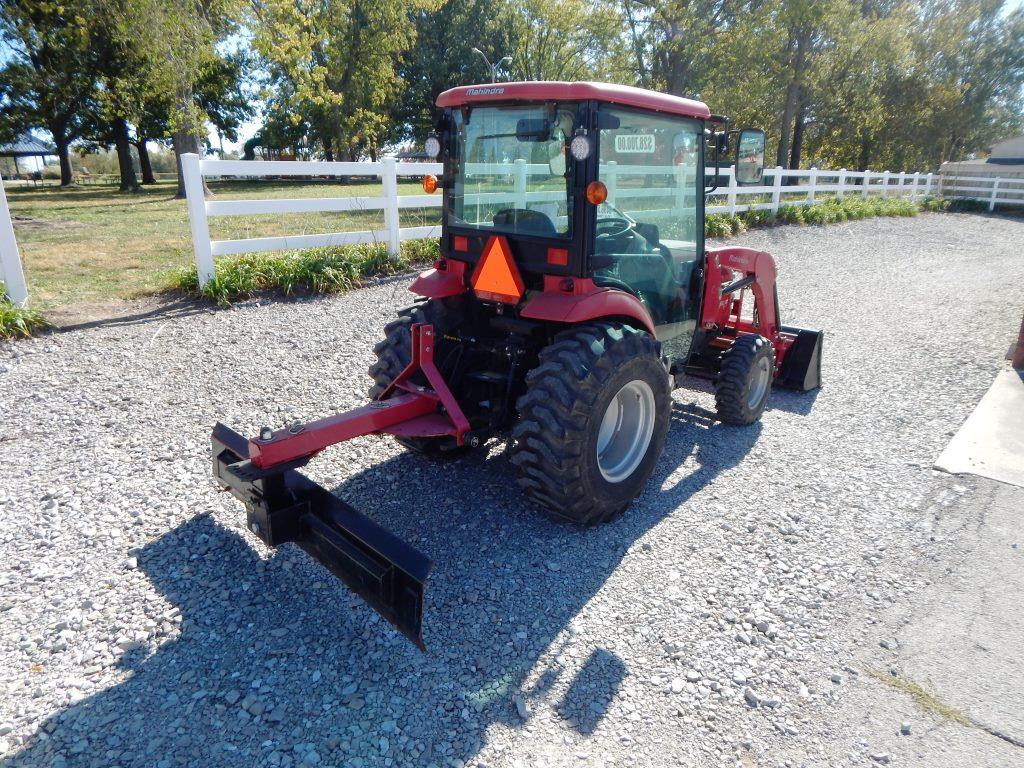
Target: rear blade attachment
[284, 505]
[801, 367]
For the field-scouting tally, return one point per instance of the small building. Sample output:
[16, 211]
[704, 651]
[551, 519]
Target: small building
[1005, 161]
[33, 156]
[1007, 152]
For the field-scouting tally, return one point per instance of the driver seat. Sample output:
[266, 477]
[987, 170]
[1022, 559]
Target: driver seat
[525, 221]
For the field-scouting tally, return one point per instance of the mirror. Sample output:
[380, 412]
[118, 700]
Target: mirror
[749, 163]
[533, 129]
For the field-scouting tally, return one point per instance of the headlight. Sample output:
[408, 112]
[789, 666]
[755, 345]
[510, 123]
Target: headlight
[432, 146]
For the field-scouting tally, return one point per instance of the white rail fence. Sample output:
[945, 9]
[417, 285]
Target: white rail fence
[780, 187]
[389, 201]
[991, 190]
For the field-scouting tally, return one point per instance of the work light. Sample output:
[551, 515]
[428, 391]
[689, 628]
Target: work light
[432, 146]
[580, 147]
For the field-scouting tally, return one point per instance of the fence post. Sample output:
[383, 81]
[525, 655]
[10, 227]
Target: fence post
[866, 183]
[813, 178]
[610, 174]
[10, 260]
[519, 171]
[994, 195]
[777, 189]
[913, 191]
[928, 185]
[842, 184]
[901, 182]
[191, 170]
[885, 183]
[731, 197]
[389, 182]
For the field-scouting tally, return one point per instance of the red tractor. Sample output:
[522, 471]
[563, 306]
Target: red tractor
[573, 293]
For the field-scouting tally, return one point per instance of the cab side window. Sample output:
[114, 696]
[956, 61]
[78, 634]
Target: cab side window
[647, 238]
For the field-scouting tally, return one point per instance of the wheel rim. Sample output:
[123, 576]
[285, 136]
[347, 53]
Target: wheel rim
[760, 377]
[626, 429]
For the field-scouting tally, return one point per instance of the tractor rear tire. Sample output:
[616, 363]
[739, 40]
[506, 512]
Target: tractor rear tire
[394, 352]
[592, 422]
[744, 380]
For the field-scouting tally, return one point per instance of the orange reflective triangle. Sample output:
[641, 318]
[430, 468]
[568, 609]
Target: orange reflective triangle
[496, 276]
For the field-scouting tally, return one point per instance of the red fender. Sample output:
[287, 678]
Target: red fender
[573, 300]
[447, 278]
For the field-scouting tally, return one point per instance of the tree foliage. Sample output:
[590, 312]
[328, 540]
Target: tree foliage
[898, 84]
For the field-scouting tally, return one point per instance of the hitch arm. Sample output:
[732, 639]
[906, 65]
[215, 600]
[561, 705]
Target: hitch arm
[400, 403]
[303, 440]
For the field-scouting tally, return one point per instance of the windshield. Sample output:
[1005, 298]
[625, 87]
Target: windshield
[509, 169]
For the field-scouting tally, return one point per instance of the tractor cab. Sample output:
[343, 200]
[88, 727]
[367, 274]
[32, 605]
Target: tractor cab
[586, 180]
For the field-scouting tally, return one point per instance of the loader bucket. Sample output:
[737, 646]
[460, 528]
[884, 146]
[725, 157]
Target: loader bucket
[801, 367]
[283, 505]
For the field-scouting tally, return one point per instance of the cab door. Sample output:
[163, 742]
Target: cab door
[648, 234]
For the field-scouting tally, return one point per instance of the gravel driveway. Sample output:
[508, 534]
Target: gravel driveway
[722, 620]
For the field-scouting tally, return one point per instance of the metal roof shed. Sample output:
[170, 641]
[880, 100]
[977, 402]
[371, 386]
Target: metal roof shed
[25, 146]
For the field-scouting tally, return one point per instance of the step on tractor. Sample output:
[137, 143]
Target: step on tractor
[574, 291]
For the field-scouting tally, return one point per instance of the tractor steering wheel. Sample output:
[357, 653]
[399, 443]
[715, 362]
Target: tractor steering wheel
[612, 227]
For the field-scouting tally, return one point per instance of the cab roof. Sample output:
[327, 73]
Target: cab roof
[582, 91]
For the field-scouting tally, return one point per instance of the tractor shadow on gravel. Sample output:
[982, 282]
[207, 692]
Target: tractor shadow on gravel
[276, 660]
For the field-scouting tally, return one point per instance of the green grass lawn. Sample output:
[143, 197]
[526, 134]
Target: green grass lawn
[91, 244]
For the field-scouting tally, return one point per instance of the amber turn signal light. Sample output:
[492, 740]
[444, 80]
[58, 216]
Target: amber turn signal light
[430, 184]
[597, 192]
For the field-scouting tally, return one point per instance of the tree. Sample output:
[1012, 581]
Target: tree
[50, 80]
[332, 64]
[179, 38]
[564, 40]
[443, 58]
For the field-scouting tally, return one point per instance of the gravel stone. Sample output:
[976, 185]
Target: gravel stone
[794, 533]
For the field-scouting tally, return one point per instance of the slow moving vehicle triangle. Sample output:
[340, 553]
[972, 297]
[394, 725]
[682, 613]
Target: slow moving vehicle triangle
[496, 276]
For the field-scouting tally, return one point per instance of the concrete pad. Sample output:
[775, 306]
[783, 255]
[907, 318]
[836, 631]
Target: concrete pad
[991, 441]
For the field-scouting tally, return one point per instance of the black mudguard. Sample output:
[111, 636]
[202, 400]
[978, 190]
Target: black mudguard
[801, 368]
[283, 505]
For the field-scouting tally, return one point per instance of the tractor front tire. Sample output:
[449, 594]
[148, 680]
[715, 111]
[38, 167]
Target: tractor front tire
[592, 422]
[744, 380]
[394, 352]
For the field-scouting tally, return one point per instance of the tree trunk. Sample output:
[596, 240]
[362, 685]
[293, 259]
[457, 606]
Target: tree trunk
[66, 175]
[792, 102]
[798, 138]
[123, 145]
[184, 142]
[864, 157]
[185, 137]
[145, 165]
[62, 143]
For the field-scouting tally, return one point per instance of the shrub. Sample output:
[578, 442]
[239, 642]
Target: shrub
[757, 218]
[935, 205]
[717, 225]
[966, 206]
[18, 322]
[792, 214]
[315, 270]
[736, 225]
